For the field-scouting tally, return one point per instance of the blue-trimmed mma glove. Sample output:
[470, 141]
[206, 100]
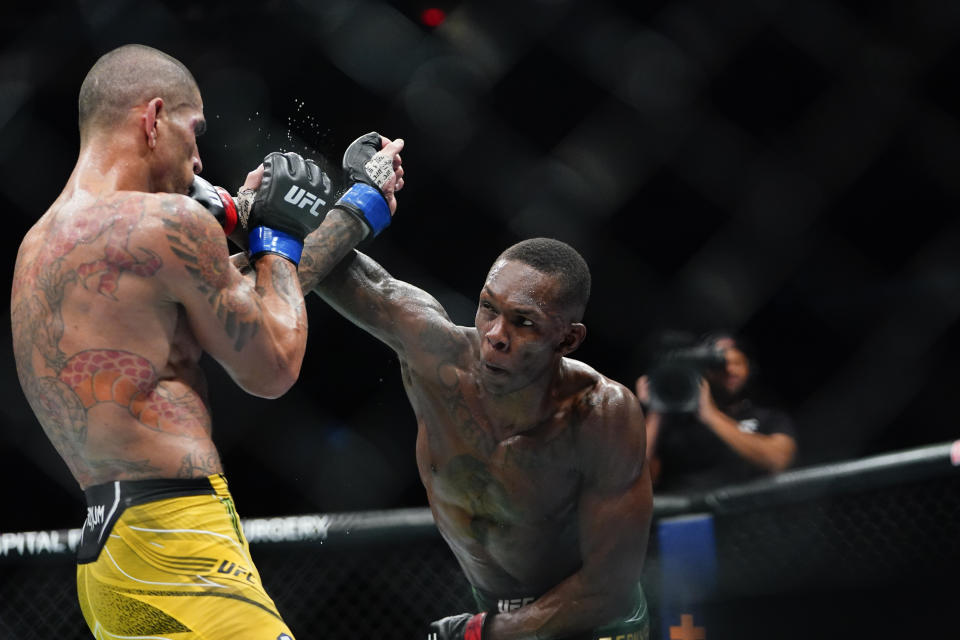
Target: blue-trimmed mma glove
[368, 171]
[466, 626]
[217, 201]
[292, 200]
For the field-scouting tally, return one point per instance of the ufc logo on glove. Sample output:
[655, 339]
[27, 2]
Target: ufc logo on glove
[302, 197]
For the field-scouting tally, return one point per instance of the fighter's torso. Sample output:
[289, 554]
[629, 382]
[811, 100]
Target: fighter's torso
[504, 499]
[106, 360]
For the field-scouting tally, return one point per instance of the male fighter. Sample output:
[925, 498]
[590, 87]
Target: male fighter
[118, 289]
[533, 462]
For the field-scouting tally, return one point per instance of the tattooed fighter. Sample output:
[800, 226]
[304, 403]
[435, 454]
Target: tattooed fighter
[118, 289]
[533, 463]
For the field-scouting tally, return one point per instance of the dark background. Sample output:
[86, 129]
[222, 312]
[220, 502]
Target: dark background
[786, 170]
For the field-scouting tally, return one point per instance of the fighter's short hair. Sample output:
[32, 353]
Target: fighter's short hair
[127, 76]
[558, 259]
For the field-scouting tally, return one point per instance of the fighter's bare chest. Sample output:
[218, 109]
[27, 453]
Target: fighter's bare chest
[514, 484]
[468, 460]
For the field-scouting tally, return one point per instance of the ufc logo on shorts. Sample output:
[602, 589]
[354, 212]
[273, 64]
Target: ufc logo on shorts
[303, 198]
[513, 604]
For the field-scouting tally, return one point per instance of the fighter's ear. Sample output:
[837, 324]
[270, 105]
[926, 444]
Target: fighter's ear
[151, 114]
[572, 338]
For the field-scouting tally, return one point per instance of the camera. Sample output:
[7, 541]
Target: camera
[674, 379]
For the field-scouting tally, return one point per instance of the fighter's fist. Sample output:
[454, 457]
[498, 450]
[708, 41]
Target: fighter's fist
[217, 201]
[292, 200]
[465, 626]
[371, 165]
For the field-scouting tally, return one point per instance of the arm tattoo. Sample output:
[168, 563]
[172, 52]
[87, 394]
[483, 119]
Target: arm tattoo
[203, 252]
[282, 277]
[326, 246]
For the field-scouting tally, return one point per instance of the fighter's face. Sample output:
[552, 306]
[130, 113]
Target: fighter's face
[178, 127]
[521, 326]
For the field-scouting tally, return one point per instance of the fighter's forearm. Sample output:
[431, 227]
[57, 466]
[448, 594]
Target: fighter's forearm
[278, 342]
[571, 607]
[327, 246]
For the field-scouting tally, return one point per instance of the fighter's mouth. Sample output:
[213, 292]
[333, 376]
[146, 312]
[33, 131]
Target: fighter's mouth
[494, 369]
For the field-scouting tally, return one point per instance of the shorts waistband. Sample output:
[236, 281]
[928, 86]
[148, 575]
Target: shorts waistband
[500, 604]
[106, 503]
[634, 627]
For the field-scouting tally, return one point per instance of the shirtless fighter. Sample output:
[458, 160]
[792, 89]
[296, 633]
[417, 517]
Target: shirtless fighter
[533, 462]
[118, 289]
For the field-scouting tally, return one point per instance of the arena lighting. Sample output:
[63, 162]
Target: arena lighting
[433, 17]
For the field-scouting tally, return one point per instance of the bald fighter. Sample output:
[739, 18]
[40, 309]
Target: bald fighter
[118, 289]
[533, 462]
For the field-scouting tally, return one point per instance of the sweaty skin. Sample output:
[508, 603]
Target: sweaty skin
[106, 352]
[533, 463]
[122, 285]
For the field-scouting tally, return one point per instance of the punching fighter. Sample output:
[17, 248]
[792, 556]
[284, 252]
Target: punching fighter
[533, 462]
[118, 289]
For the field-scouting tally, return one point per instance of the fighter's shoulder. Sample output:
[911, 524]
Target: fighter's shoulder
[176, 206]
[611, 432]
[134, 210]
[605, 406]
[438, 337]
[465, 339]
[180, 232]
[175, 215]
[599, 394]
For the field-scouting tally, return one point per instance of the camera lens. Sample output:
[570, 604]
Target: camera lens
[674, 388]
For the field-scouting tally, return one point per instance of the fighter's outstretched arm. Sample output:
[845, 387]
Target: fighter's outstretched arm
[408, 319]
[327, 246]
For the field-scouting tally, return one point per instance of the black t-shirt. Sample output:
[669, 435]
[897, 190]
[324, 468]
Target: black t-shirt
[693, 458]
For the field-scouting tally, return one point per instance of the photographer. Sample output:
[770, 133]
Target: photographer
[703, 430]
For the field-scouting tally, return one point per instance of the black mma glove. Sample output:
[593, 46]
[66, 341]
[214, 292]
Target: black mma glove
[367, 172]
[291, 201]
[465, 626]
[217, 201]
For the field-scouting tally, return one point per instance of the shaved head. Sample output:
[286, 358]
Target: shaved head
[558, 259]
[126, 77]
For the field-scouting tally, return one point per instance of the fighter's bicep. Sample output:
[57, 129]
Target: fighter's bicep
[614, 528]
[616, 502]
[222, 306]
[408, 319]
[432, 339]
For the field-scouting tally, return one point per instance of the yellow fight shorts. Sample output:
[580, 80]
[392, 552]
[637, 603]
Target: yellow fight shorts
[167, 559]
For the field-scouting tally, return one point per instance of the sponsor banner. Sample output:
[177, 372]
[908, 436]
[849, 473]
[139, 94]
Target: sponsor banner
[66, 541]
